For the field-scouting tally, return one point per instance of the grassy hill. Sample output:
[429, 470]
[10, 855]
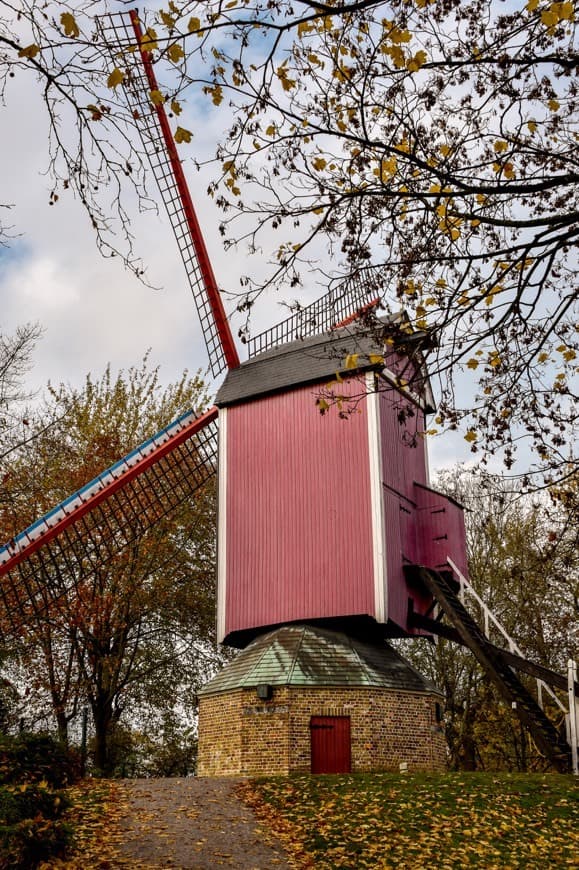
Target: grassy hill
[423, 820]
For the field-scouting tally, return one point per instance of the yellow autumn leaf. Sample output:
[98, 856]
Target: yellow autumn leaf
[69, 25]
[283, 75]
[532, 126]
[494, 360]
[470, 436]
[415, 63]
[351, 361]
[115, 78]
[399, 36]
[376, 358]
[176, 107]
[445, 150]
[554, 105]
[472, 364]
[30, 51]
[549, 18]
[397, 55]
[175, 53]
[156, 97]
[566, 11]
[532, 5]
[500, 145]
[322, 405]
[481, 198]
[149, 40]
[194, 25]
[387, 169]
[216, 95]
[182, 135]
[319, 163]
[167, 19]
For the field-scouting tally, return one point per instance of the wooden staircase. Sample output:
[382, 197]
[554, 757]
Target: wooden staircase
[497, 663]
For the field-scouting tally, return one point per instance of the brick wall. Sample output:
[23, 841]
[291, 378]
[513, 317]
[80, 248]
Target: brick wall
[239, 734]
[220, 735]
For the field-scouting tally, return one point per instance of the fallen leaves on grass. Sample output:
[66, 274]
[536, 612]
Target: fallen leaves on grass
[384, 821]
[97, 806]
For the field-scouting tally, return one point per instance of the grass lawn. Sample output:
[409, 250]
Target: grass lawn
[423, 820]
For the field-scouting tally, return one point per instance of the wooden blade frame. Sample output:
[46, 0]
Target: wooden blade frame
[121, 32]
[74, 540]
[334, 309]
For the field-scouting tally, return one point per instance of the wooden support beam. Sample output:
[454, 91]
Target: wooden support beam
[514, 661]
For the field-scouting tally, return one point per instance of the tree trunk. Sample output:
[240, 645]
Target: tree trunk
[62, 726]
[102, 720]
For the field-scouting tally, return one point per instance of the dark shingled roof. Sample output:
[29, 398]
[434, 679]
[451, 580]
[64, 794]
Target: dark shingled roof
[304, 655]
[306, 361]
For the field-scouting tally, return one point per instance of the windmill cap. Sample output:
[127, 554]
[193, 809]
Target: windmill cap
[315, 359]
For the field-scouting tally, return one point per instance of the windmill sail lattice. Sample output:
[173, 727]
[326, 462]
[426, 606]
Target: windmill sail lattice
[96, 524]
[120, 33]
[322, 315]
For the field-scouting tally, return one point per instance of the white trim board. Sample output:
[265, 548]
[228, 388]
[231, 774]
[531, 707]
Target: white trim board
[222, 526]
[376, 499]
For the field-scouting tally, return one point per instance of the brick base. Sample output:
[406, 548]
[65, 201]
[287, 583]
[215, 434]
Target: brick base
[239, 734]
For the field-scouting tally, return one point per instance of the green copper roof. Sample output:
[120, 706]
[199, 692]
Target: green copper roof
[304, 655]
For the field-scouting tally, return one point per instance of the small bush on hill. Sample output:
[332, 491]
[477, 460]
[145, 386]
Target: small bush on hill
[32, 767]
[37, 758]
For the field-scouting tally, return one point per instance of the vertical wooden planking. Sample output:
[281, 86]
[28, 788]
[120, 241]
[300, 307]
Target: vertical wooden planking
[441, 531]
[299, 533]
[403, 464]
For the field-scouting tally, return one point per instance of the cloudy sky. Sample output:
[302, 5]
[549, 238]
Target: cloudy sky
[92, 311]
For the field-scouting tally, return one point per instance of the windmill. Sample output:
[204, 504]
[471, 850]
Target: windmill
[330, 536]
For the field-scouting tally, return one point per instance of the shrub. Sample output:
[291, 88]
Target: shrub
[37, 758]
[31, 829]
[32, 766]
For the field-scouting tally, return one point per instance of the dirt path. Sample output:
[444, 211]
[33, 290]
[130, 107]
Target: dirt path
[193, 824]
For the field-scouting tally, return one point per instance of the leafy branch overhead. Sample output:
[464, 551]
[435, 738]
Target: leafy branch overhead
[432, 144]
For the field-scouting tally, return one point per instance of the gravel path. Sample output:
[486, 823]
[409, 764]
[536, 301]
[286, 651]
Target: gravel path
[193, 823]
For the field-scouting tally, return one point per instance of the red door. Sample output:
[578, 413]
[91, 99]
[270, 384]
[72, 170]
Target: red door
[330, 741]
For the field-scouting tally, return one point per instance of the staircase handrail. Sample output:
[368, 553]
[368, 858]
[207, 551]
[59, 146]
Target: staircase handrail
[465, 586]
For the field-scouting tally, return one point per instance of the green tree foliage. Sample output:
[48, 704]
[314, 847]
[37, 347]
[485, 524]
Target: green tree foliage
[523, 563]
[139, 632]
[425, 146]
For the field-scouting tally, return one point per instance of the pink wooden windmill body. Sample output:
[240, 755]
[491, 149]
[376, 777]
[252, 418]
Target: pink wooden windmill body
[319, 514]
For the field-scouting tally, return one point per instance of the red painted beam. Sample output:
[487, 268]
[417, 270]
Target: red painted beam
[213, 294]
[357, 313]
[120, 482]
